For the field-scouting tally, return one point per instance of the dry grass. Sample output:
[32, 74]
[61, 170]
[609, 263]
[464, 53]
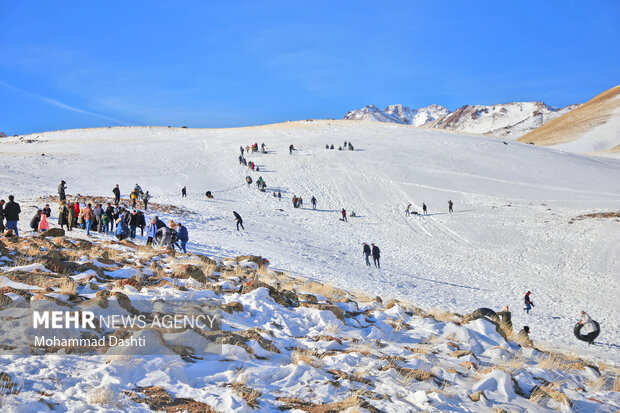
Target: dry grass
[308, 356]
[68, 286]
[443, 315]
[549, 391]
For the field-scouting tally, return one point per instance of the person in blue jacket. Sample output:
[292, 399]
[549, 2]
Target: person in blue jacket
[121, 226]
[182, 236]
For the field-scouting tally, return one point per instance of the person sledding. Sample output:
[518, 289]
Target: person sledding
[587, 329]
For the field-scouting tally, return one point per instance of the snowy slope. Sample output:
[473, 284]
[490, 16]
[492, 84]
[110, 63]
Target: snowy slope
[510, 231]
[593, 127]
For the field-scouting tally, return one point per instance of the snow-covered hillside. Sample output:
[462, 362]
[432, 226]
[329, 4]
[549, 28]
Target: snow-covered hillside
[511, 230]
[593, 127]
[509, 119]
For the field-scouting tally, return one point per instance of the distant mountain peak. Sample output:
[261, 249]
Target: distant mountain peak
[513, 118]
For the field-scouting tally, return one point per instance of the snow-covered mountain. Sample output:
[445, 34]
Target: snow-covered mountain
[416, 117]
[509, 119]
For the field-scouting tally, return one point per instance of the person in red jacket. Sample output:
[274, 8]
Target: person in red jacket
[344, 214]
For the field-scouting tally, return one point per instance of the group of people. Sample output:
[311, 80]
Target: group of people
[409, 211]
[347, 145]
[253, 148]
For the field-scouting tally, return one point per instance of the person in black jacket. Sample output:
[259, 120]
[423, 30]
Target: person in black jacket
[366, 252]
[61, 191]
[34, 222]
[47, 210]
[141, 222]
[239, 220]
[184, 192]
[133, 224]
[63, 216]
[313, 202]
[11, 214]
[159, 223]
[376, 254]
[117, 194]
[1, 216]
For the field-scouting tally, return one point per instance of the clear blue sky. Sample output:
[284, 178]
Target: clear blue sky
[71, 64]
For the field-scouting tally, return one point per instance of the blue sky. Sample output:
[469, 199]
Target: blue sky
[72, 64]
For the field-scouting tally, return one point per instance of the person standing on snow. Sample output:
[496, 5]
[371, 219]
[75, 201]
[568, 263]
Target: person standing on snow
[528, 302]
[424, 208]
[63, 215]
[88, 217]
[291, 149]
[182, 236]
[376, 254]
[407, 211]
[184, 189]
[313, 202]
[133, 224]
[61, 190]
[344, 214]
[589, 328]
[1, 216]
[450, 205]
[152, 231]
[239, 220]
[11, 214]
[70, 216]
[366, 251]
[121, 226]
[98, 212]
[241, 149]
[141, 222]
[145, 199]
[133, 196]
[117, 194]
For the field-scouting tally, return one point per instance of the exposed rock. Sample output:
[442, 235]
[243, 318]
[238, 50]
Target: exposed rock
[232, 307]
[190, 271]
[52, 232]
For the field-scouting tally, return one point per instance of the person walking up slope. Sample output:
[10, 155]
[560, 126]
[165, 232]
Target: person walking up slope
[145, 199]
[424, 208]
[450, 205]
[117, 194]
[344, 214]
[313, 202]
[239, 220]
[376, 254]
[528, 302]
[366, 251]
[184, 189]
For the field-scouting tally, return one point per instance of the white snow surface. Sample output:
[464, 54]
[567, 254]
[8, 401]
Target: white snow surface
[510, 231]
